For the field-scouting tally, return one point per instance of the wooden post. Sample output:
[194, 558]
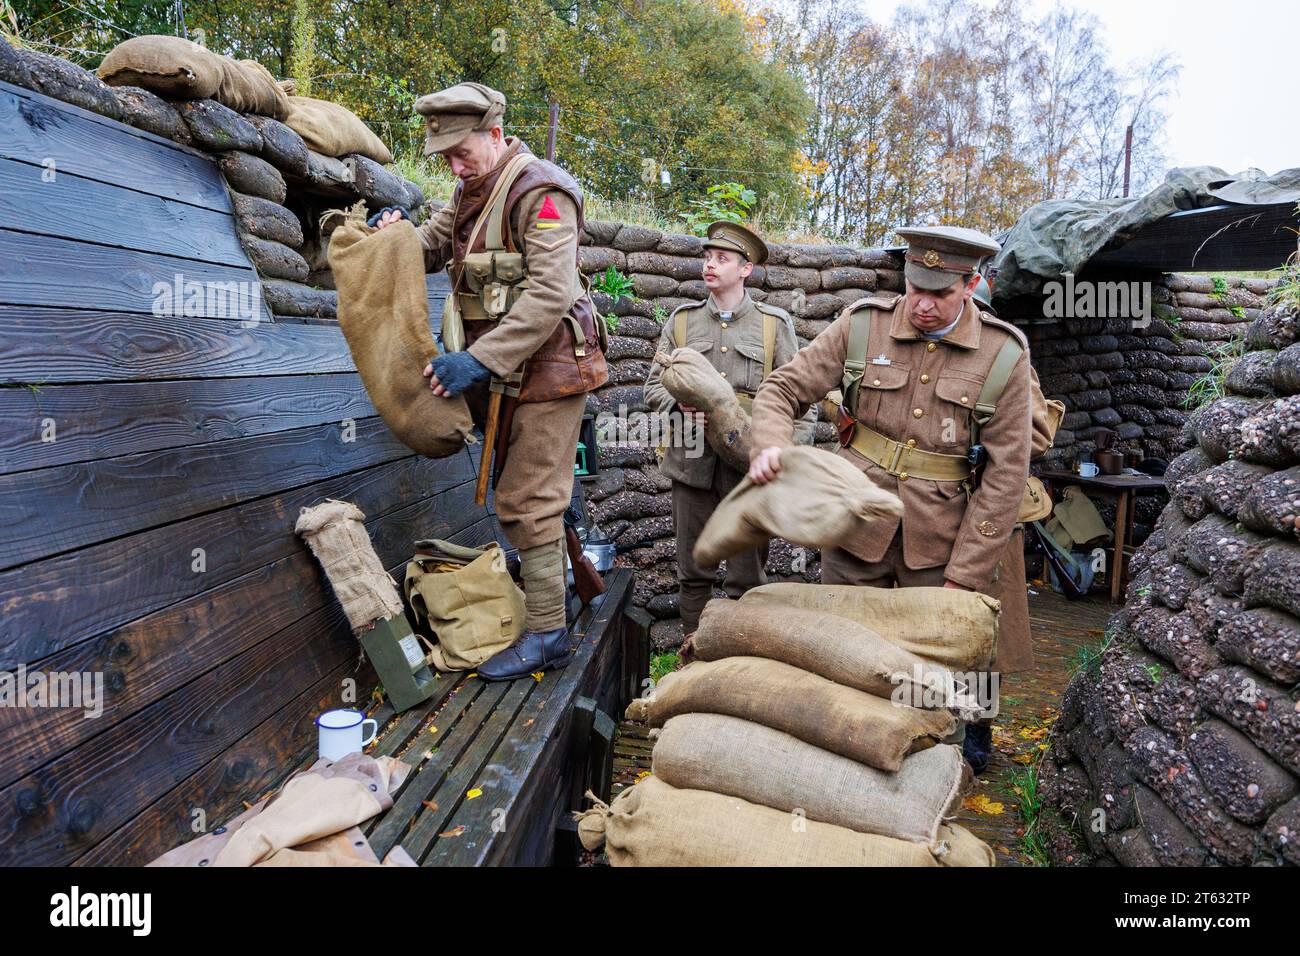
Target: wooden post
[1128, 156]
[552, 130]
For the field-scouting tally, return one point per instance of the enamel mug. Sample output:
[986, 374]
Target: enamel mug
[341, 733]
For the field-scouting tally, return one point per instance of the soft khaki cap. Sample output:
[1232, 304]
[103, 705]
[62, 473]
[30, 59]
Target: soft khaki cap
[452, 114]
[937, 255]
[736, 238]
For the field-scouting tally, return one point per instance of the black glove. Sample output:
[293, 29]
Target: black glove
[457, 371]
[374, 220]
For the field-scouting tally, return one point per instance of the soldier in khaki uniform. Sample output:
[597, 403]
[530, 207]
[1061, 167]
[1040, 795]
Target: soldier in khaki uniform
[923, 364]
[743, 340]
[522, 321]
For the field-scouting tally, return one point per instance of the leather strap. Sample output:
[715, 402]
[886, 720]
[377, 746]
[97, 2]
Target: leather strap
[495, 207]
[996, 381]
[904, 461]
[855, 357]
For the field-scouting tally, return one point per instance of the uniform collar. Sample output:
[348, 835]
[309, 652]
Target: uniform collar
[745, 307]
[966, 335]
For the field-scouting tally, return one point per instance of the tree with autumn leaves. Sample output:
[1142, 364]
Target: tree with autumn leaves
[955, 112]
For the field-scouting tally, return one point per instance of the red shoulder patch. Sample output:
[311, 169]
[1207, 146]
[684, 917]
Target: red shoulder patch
[548, 210]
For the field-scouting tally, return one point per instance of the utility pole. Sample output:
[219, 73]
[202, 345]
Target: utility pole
[1128, 156]
[550, 133]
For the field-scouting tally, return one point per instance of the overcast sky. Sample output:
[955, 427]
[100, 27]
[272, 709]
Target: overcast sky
[1233, 106]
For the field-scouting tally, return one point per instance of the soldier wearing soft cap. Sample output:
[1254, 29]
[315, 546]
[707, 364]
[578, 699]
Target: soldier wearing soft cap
[521, 322]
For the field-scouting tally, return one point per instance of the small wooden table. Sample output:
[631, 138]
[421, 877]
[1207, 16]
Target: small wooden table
[1122, 489]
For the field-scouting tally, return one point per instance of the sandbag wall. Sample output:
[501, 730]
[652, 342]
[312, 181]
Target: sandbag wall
[279, 187]
[1182, 747]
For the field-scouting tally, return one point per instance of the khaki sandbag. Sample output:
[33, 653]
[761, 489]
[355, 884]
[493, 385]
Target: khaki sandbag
[383, 310]
[169, 66]
[817, 499]
[248, 87]
[953, 628]
[845, 721]
[836, 648]
[690, 378]
[333, 130]
[474, 610]
[743, 759]
[654, 824]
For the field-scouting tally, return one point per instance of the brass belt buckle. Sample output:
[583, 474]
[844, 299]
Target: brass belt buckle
[897, 458]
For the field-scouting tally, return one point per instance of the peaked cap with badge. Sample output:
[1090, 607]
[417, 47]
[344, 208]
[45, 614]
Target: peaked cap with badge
[734, 237]
[937, 256]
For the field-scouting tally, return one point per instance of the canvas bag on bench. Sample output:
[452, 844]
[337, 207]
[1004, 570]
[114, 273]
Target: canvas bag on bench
[465, 598]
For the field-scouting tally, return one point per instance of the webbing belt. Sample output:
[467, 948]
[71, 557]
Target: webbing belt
[906, 461]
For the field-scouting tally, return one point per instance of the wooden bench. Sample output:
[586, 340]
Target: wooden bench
[526, 749]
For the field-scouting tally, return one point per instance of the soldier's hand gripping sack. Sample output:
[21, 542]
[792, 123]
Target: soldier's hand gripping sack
[384, 314]
[692, 380]
[817, 500]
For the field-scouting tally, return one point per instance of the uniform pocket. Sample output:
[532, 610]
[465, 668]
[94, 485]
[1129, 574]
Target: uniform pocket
[880, 384]
[951, 420]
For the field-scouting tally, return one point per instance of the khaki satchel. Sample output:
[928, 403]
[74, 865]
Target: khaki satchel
[466, 599]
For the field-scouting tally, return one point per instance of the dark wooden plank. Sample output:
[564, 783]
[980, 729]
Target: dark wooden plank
[525, 778]
[72, 207]
[61, 810]
[39, 129]
[454, 727]
[400, 735]
[50, 346]
[1218, 238]
[44, 271]
[62, 424]
[56, 509]
[56, 603]
[260, 761]
[243, 772]
[149, 658]
[476, 736]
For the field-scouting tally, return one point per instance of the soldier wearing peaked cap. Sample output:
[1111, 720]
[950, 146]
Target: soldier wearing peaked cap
[930, 384]
[519, 322]
[744, 340]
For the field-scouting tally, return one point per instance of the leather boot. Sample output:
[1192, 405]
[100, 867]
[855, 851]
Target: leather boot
[532, 651]
[545, 641]
[975, 748]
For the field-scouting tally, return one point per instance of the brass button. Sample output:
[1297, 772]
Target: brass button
[964, 399]
[876, 382]
[931, 347]
[723, 374]
[724, 348]
[911, 443]
[925, 379]
[724, 325]
[902, 476]
[917, 413]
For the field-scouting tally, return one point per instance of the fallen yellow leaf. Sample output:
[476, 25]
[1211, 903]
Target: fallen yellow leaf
[537, 676]
[983, 805]
[471, 794]
[454, 832]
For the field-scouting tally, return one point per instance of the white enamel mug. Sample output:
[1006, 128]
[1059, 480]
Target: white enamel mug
[341, 733]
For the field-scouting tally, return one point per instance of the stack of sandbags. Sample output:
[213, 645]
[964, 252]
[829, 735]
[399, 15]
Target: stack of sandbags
[267, 141]
[805, 737]
[180, 69]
